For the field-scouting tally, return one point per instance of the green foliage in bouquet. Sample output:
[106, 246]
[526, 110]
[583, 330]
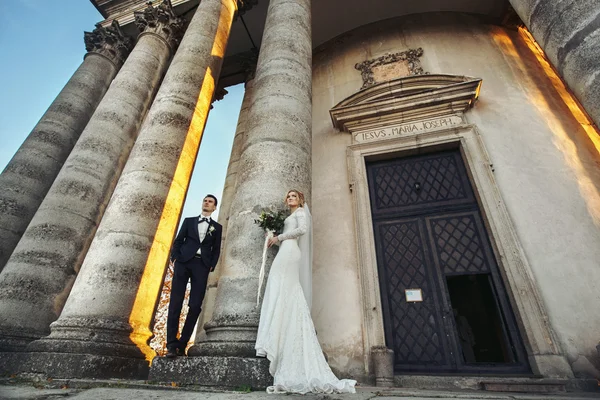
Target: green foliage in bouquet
[271, 220]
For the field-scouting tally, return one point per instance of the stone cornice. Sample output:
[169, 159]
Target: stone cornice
[406, 99]
[238, 68]
[248, 61]
[109, 41]
[123, 10]
[162, 21]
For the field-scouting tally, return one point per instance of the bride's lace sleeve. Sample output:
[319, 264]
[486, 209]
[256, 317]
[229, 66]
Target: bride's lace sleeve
[300, 216]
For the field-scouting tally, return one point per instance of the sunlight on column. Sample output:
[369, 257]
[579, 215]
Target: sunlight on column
[562, 141]
[152, 279]
[151, 282]
[576, 109]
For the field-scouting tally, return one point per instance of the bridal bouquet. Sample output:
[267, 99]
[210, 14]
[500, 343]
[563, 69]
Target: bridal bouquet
[272, 222]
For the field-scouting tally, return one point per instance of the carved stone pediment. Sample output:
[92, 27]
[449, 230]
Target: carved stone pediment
[402, 100]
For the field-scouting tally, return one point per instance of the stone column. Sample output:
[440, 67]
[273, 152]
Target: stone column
[276, 157]
[37, 279]
[224, 209]
[30, 173]
[111, 305]
[569, 33]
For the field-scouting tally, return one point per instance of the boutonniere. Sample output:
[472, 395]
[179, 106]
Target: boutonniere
[211, 229]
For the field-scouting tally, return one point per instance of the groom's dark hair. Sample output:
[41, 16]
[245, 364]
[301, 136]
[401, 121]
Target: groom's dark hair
[212, 197]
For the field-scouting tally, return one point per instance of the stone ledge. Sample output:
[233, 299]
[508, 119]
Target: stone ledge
[224, 372]
[544, 386]
[127, 390]
[73, 365]
[498, 384]
[40, 381]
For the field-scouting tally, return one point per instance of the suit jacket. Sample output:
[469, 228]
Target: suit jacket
[187, 242]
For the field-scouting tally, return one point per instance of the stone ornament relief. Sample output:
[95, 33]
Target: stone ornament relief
[391, 66]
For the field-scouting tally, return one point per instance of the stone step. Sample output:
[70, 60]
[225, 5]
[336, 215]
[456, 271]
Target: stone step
[543, 386]
[509, 384]
[223, 372]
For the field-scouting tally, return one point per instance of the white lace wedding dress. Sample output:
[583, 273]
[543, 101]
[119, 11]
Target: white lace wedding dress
[286, 334]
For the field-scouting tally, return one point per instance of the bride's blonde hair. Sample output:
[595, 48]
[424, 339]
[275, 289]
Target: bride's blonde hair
[300, 197]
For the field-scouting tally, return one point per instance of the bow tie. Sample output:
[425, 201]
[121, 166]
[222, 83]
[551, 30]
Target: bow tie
[204, 219]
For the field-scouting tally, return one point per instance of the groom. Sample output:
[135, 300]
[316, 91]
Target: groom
[195, 253]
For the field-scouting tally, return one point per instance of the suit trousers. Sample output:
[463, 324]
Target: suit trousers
[197, 272]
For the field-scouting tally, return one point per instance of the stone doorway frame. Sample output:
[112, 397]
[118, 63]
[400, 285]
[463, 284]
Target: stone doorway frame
[543, 351]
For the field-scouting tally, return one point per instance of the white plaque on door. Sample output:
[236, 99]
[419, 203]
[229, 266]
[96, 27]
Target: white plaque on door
[413, 295]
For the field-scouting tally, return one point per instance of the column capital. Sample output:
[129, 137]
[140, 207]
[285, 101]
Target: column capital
[161, 20]
[245, 5]
[248, 61]
[218, 95]
[110, 42]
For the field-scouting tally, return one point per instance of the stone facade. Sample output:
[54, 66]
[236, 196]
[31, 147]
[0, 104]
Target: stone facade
[523, 136]
[325, 100]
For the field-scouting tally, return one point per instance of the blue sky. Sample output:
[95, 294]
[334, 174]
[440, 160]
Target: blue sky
[41, 43]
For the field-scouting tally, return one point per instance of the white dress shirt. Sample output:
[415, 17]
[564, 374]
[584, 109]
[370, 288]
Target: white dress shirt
[202, 229]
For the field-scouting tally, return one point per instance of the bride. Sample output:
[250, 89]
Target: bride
[286, 334]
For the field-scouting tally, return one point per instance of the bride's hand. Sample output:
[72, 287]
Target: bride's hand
[272, 241]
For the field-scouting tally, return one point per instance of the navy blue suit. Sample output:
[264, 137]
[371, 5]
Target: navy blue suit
[191, 267]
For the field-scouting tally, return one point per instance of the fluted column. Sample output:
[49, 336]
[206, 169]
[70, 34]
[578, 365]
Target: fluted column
[224, 209]
[569, 33]
[37, 279]
[30, 173]
[276, 157]
[112, 302]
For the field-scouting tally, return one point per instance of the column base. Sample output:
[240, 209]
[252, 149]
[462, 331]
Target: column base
[71, 346]
[223, 349]
[227, 341]
[73, 366]
[75, 335]
[227, 372]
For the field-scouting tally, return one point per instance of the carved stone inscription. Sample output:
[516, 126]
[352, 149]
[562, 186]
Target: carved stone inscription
[394, 131]
[387, 72]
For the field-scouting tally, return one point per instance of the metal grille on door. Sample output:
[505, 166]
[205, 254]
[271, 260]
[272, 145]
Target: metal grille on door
[430, 237]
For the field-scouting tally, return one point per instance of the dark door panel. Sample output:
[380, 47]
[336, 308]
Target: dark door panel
[429, 235]
[414, 330]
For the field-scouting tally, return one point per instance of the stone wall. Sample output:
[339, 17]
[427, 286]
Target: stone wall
[545, 163]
